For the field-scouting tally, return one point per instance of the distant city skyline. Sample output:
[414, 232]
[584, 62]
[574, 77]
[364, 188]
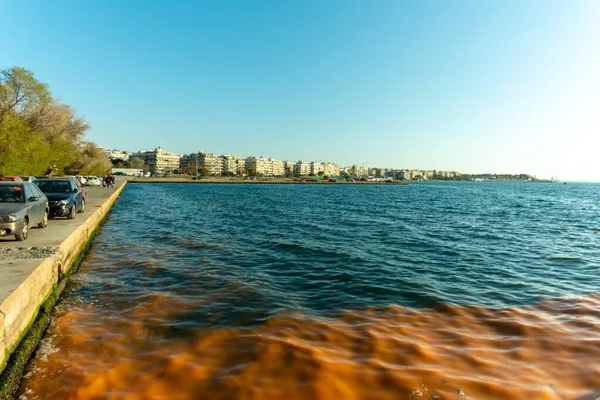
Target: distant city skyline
[125, 154]
[500, 86]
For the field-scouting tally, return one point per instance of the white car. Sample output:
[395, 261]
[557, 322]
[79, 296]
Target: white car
[93, 181]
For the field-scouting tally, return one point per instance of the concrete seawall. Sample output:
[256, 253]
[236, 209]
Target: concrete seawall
[28, 286]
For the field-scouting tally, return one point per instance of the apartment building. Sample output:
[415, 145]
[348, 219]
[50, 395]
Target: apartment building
[188, 163]
[232, 165]
[257, 166]
[315, 168]
[288, 167]
[159, 160]
[302, 168]
[229, 165]
[240, 166]
[264, 166]
[212, 162]
[330, 169]
[277, 167]
[360, 170]
[406, 174]
[118, 154]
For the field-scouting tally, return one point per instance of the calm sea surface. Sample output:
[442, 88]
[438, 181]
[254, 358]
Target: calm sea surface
[425, 291]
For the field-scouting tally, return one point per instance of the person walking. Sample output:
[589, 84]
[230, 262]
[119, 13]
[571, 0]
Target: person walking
[112, 180]
[107, 180]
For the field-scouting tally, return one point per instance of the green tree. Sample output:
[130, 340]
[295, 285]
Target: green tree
[38, 133]
[204, 172]
[137, 163]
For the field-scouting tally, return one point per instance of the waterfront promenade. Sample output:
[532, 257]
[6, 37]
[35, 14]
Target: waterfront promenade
[34, 271]
[60, 228]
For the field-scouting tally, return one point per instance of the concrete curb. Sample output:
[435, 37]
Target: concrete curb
[21, 312]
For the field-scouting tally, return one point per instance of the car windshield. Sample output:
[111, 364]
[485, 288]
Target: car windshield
[54, 186]
[11, 194]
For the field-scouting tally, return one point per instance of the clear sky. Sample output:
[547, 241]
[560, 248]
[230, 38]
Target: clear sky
[475, 86]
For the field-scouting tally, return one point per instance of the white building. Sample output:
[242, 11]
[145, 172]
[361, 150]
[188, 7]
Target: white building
[331, 169]
[118, 155]
[190, 163]
[212, 162]
[302, 168]
[159, 160]
[315, 168]
[260, 166]
[288, 167]
[232, 165]
[228, 165]
[277, 167]
[257, 166]
[360, 170]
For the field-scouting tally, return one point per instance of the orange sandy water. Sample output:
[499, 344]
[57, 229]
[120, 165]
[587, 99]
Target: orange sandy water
[548, 351]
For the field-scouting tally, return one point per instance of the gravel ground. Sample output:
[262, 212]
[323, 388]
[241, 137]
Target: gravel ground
[23, 253]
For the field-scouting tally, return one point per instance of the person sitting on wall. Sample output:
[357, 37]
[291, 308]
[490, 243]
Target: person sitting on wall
[51, 170]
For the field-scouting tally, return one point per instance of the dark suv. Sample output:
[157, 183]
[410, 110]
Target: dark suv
[64, 197]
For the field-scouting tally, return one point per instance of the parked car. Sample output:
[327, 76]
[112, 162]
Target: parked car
[65, 198]
[93, 181]
[12, 178]
[22, 205]
[76, 182]
[70, 178]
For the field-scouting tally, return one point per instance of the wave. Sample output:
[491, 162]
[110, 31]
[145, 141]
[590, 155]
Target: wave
[568, 258]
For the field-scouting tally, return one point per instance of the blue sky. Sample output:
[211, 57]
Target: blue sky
[474, 86]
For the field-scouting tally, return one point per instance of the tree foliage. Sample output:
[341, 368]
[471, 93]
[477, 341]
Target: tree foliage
[138, 163]
[132, 162]
[204, 172]
[37, 132]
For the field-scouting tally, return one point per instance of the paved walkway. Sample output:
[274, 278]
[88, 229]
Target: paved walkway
[59, 229]
[29, 269]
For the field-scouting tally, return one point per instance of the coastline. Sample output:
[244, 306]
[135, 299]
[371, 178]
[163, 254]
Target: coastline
[304, 181]
[257, 181]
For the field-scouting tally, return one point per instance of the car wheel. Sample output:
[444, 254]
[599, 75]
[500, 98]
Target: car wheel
[72, 213]
[24, 231]
[44, 222]
[82, 209]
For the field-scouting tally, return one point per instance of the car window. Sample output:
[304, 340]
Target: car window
[11, 194]
[29, 192]
[54, 186]
[37, 189]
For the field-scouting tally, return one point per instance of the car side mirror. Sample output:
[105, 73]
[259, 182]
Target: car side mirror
[33, 198]
[75, 190]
